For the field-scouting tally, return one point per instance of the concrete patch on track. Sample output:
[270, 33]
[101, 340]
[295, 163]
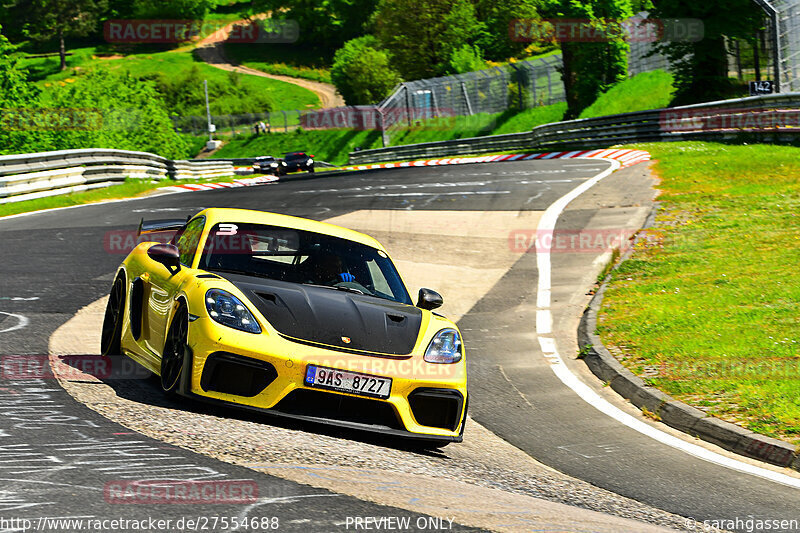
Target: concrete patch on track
[483, 482]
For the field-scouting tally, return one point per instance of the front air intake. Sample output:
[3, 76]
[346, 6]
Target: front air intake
[234, 374]
[438, 408]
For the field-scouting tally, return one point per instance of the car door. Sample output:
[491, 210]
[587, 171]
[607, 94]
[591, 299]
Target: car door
[164, 285]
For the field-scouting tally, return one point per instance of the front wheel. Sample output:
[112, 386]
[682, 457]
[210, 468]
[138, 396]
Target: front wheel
[311, 170]
[174, 349]
[111, 337]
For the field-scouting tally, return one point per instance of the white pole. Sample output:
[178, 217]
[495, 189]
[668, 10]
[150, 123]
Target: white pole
[208, 111]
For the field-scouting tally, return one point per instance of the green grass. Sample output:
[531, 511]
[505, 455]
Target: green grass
[283, 59]
[649, 90]
[130, 188]
[333, 146]
[282, 95]
[708, 307]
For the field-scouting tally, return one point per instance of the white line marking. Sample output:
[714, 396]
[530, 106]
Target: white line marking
[22, 322]
[548, 345]
[544, 319]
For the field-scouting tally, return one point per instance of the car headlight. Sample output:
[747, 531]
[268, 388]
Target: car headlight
[229, 310]
[273, 164]
[445, 347]
[283, 163]
[310, 161]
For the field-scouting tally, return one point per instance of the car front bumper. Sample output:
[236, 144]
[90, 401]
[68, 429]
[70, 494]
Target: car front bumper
[266, 372]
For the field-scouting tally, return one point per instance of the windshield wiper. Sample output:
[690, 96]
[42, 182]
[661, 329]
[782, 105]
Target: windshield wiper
[339, 288]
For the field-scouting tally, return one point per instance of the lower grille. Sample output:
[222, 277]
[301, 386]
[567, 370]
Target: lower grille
[234, 374]
[318, 404]
[438, 408]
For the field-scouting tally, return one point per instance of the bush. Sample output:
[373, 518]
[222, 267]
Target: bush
[16, 94]
[362, 73]
[466, 59]
[122, 112]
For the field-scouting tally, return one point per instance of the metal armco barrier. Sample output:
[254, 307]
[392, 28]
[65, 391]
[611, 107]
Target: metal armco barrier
[30, 176]
[774, 118]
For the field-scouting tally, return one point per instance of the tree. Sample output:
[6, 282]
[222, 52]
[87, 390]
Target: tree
[173, 9]
[421, 35]
[701, 67]
[498, 15]
[325, 23]
[362, 73]
[43, 19]
[592, 66]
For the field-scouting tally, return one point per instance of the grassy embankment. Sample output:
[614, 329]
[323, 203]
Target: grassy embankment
[708, 308]
[648, 90]
[645, 91]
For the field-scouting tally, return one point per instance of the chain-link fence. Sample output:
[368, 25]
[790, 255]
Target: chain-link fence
[787, 19]
[521, 84]
[642, 56]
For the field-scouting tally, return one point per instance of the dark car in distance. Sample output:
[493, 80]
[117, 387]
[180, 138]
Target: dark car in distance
[268, 165]
[297, 162]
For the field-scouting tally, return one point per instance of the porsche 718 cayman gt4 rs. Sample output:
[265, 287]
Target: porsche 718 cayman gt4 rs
[290, 316]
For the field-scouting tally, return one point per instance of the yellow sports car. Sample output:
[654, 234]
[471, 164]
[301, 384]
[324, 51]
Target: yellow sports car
[289, 316]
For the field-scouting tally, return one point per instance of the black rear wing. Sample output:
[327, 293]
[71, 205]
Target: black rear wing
[155, 226]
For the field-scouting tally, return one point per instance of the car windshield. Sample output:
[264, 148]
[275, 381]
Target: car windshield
[305, 257]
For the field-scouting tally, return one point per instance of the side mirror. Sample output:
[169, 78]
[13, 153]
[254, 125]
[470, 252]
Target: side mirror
[166, 254]
[429, 299]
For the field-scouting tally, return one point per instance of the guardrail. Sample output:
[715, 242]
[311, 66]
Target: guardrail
[774, 118]
[30, 176]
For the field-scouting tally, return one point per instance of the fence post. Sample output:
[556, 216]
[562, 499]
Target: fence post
[382, 128]
[408, 105]
[285, 122]
[466, 98]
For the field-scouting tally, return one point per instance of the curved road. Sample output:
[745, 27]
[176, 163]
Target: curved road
[55, 263]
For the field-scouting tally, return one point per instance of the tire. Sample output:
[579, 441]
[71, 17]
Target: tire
[174, 348]
[311, 170]
[111, 338]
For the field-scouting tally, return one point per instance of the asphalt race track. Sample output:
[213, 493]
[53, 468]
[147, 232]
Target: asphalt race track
[56, 454]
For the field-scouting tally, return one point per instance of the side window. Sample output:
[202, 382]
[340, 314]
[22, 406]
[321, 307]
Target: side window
[189, 239]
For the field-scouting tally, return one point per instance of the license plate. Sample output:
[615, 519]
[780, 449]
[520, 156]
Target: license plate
[343, 381]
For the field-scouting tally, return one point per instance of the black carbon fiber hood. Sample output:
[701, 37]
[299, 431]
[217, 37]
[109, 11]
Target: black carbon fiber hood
[329, 316]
